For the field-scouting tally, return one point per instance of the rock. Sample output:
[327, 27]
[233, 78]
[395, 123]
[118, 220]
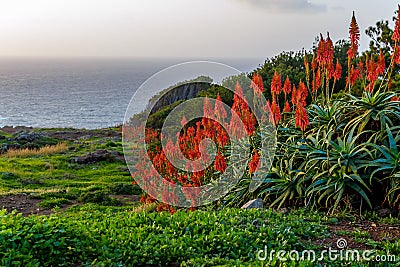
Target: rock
[179, 92]
[4, 148]
[97, 156]
[28, 136]
[254, 204]
[384, 212]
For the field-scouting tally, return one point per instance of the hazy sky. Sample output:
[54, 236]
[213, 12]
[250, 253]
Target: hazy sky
[177, 28]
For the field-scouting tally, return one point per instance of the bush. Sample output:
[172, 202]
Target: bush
[53, 203]
[99, 197]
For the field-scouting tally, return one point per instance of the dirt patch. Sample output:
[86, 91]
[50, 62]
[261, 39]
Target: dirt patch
[13, 130]
[22, 203]
[374, 231]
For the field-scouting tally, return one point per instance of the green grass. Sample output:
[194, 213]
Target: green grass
[41, 175]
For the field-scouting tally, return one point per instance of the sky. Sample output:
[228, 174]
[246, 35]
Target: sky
[196, 29]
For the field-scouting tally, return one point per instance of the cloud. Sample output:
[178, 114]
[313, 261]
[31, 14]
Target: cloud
[287, 6]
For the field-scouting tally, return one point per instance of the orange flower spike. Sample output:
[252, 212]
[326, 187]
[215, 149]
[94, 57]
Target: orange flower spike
[276, 112]
[396, 31]
[294, 95]
[287, 87]
[338, 71]
[183, 121]
[301, 118]
[255, 160]
[354, 31]
[220, 163]
[239, 90]
[207, 108]
[328, 52]
[257, 84]
[321, 50]
[397, 55]
[287, 107]
[276, 84]
[219, 109]
[331, 70]
[313, 63]
[302, 93]
[317, 81]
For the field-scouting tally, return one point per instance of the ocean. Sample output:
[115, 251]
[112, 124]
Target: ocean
[78, 93]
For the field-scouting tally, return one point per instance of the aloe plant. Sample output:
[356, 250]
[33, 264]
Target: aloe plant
[387, 164]
[337, 166]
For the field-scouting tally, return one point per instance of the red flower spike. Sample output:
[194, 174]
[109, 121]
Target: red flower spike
[255, 161]
[396, 31]
[372, 69]
[287, 107]
[321, 50]
[220, 163]
[301, 118]
[287, 87]
[338, 71]
[317, 81]
[354, 37]
[301, 94]
[355, 74]
[276, 112]
[397, 55]
[330, 69]
[239, 90]
[257, 84]
[313, 64]
[328, 50]
[183, 121]
[294, 95]
[207, 108]
[219, 109]
[276, 84]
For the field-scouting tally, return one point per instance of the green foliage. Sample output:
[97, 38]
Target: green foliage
[286, 64]
[93, 235]
[99, 197]
[124, 189]
[156, 120]
[53, 203]
[225, 94]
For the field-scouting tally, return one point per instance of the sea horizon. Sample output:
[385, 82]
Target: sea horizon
[80, 92]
